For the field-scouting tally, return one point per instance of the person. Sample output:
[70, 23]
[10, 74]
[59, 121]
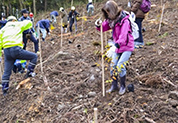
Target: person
[19, 66]
[122, 45]
[44, 27]
[72, 18]
[28, 34]
[3, 21]
[64, 19]
[90, 8]
[53, 16]
[32, 19]
[11, 42]
[140, 15]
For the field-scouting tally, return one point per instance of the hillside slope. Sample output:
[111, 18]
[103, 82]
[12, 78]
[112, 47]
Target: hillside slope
[73, 75]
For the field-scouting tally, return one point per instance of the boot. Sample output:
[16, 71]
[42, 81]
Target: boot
[30, 70]
[114, 85]
[122, 85]
[5, 87]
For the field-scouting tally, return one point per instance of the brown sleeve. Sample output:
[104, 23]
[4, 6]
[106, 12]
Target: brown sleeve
[136, 6]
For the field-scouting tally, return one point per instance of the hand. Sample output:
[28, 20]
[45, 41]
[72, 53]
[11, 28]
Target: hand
[111, 51]
[98, 22]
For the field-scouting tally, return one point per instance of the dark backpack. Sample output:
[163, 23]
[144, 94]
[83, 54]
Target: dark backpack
[145, 6]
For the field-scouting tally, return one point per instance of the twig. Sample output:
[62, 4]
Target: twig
[169, 82]
[161, 18]
[149, 120]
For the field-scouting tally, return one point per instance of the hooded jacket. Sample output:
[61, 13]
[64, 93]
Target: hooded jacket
[44, 24]
[11, 34]
[55, 13]
[121, 33]
[136, 9]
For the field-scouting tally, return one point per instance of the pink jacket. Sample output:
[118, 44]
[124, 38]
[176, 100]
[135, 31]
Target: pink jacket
[121, 34]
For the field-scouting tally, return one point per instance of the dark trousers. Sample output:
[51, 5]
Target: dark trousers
[72, 21]
[33, 39]
[13, 53]
[138, 21]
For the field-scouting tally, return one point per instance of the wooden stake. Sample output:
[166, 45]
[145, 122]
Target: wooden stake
[61, 32]
[82, 20]
[106, 37]
[41, 63]
[95, 115]
[103, 86]
[161, 19]
[71, 3]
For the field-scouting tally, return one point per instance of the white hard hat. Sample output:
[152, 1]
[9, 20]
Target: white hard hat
[72, 8]
[90, 1]
[10, 18]
[61, 9]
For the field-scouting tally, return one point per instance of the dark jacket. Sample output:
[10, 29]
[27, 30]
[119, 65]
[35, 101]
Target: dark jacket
[3, 23]
[44, 24]
[88, 5]
[72, 15]
[136, 9]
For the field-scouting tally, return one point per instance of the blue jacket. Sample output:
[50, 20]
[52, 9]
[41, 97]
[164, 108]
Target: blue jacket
[55, 13]
[44, 24]
[22, 19]
[3, 23]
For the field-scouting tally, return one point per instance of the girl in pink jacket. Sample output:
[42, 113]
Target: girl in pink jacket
[117, 20]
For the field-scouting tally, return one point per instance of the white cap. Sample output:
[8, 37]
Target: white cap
[90, 1]
[72, 8]
[11, 18]
[61, 9]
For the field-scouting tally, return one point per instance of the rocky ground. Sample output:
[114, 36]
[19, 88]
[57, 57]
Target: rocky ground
[71, 85]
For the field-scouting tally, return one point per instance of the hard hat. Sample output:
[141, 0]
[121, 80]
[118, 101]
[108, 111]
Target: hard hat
[10, 18]
[73, 8]
[31, 14]
[61, 9]
[90, 1]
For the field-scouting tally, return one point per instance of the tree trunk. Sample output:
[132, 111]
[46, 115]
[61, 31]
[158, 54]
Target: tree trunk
[45, 5]
[20, 4]
[34, 7]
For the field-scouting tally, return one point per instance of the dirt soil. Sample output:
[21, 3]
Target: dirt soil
[73, 84]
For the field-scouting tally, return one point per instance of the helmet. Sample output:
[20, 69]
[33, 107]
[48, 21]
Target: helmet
[10, 18]
[61, 9]
[90, 1]
[31, 14]
[73, 8]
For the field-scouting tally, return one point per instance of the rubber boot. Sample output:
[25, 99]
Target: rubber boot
[114, 86]
[5, 87]
[122, 85]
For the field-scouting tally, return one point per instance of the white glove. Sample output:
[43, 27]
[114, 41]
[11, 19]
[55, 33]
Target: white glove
[49, 33]
[112, 49]
[98, 22]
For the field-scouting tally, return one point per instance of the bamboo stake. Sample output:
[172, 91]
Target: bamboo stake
[161, 19]
[103, 86]
[61, 32]
[41, 63]
[95, 115]
[82, 20]
[71, 3]
[106, 37]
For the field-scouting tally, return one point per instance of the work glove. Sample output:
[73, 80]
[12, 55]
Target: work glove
[98, 22]
[49, 33]
[112, 49]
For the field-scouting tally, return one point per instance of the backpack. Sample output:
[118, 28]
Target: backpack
[133, 25]
[145, 6]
